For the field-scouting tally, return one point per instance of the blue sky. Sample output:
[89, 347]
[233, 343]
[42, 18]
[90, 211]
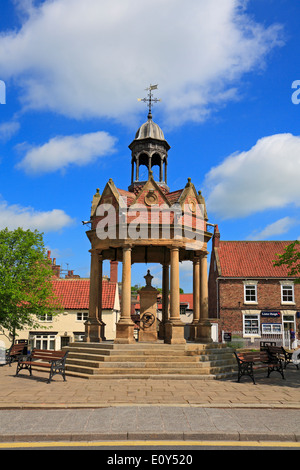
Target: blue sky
[73, 71]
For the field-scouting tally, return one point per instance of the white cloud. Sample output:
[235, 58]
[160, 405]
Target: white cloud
[94, 57]
[264, 177]
[279, 227]
[14, 216]
[62, 151]
[8, 129]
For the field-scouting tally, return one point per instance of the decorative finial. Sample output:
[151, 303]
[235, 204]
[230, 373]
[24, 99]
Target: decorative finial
[150, 100]
[148, 278]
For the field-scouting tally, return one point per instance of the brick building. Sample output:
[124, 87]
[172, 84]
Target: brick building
[250, 298]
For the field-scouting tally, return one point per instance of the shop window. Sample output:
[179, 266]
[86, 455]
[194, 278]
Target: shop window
[271, 328]
[251, 325]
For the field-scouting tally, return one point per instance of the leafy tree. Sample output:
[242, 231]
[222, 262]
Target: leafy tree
[290, 258]
[26, 289]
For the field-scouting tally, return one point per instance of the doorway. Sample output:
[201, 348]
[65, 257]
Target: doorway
[288, 325]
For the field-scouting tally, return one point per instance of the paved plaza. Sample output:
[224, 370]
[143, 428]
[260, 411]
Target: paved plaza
[123, 409]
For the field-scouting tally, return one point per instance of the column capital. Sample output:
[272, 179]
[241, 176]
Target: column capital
[196, 258]
[127, 247]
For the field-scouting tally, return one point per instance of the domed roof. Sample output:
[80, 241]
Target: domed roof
[149, 130]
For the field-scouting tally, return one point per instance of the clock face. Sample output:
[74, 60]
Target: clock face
[151, 198]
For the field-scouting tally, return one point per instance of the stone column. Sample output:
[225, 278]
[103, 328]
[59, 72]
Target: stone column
[161, 170]
[204, 328]
[93, 325]
[165, 300]
[125, 326]
[100, 296]
[196, 297]
[137, 169]
[132, 171]
[174, 327]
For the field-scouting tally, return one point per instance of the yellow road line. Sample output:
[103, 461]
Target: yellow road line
[12, 445]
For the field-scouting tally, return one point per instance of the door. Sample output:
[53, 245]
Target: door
[288, 325]
[64, 341]
[214, 332]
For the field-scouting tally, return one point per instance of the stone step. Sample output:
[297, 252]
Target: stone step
[128, 352]
[110, 346]
[147, 352]
[145, 355]
[149, 375]
[89, 360]
[151, 371]
[147, 364]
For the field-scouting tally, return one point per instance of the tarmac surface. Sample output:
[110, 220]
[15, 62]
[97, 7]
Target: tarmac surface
[148, 409]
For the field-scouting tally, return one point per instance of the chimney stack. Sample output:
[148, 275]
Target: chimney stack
[114, 271]
[216, 237]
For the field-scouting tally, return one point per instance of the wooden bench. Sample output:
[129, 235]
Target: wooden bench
[281, 353]
[42, 358]
[15, 352]
[248, 362]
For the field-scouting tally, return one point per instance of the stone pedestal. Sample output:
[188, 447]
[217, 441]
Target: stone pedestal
[204, 332]
[125, 332]
[174, 332]
[94, 330]
[148, 311]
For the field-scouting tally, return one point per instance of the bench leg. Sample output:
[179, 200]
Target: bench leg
[56, 370]
[276, 368]
[21, 366]
[246, 369]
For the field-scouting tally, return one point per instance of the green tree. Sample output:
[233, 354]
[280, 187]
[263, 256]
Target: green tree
[291, 258]
[26, 289]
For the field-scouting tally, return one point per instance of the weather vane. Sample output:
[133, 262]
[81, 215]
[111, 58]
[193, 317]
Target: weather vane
[150, 100]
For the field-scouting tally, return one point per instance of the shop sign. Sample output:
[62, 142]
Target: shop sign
[265, 313]
[227, 337]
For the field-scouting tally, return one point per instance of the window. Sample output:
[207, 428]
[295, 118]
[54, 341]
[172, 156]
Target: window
[250, 292]
[271, 328]
[182, 309]
[287, 293]
[82, 316]
[251, 325]
[78, 336]
[46, 317]
[44, 342]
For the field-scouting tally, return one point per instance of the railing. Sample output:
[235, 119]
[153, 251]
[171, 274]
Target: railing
[254, 342]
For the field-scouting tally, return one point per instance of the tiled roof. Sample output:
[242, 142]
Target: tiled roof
[187, 299]
[251, 258]
[74, 293]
